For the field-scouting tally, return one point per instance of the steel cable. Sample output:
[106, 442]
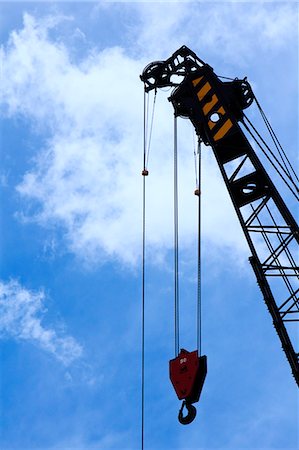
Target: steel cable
[268, 157]
[199, 311]
[282, 153]
[143, 270]
[176, 240]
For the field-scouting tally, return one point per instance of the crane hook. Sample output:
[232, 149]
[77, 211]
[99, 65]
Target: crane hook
[191, 413]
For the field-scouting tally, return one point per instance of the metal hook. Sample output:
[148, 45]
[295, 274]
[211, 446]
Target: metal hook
[190, 416]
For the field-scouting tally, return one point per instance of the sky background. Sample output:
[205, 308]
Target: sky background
[71, 139]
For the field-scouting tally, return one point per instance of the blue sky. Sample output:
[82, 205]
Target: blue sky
[70, 286]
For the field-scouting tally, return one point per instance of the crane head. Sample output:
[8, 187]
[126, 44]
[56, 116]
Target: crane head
[172, 71]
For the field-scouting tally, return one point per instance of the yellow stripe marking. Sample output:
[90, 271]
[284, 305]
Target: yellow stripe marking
[211, 124]
[195, 82]
[223, 130]
[208, 106]
[203, 91]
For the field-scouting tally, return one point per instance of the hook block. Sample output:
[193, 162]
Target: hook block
[187, 374]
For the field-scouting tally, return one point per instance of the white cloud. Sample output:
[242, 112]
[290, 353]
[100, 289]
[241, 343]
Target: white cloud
[86, 180]
[21, 315]
[233, 31]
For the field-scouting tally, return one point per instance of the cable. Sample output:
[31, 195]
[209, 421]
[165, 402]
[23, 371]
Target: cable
[270, 151]
[195, 153]
[144, 173]
[149, 138]
[146, 148]
[276, 141]
[268, 157]
[145, 117]
[199, 312]
[176, 241]
[226, 78]
[143, 316]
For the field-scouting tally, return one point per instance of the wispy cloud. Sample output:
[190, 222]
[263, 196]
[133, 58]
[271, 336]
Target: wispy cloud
[21, 316]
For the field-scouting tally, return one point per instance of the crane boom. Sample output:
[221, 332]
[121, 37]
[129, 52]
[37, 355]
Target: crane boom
[215, 109]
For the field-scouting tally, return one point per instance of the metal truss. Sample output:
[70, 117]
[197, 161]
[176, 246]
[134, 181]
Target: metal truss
[216, 109]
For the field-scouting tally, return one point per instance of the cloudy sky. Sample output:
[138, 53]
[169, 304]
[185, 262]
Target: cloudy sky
[71, 106]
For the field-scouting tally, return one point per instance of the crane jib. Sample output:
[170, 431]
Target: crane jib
[218, 119]
[216, 110]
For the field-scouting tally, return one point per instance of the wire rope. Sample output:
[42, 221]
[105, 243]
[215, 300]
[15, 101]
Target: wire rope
[146, 148]
[199, 302]
[176, 241]
[149, 137]
[268, 157]
[226, 78]
[145, 115]
[145, 119]
[195, 153]
[270, 151]
[282, 153]
[143, 317]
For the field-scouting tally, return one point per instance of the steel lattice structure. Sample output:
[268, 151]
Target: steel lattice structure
[215, 108]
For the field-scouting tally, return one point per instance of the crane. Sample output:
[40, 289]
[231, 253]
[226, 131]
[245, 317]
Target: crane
[216, 110]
